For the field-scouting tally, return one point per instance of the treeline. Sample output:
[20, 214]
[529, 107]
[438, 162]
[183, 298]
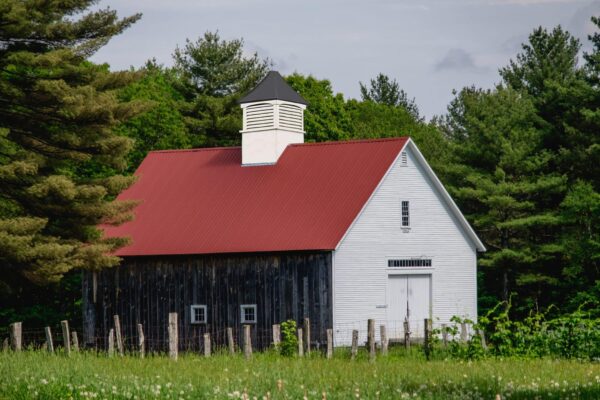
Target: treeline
[521, 159]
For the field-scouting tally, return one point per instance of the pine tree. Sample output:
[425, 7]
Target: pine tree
[215, 74]
[384, 90]
[57, 114]
[547, 70]
[500, 181]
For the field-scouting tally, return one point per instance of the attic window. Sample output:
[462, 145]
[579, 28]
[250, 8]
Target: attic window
[403, 159]
[411, 262]
[198, 314]
[405, 214]
[248, 313]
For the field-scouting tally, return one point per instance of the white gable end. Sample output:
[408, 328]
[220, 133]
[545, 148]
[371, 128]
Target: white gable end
[365, 286]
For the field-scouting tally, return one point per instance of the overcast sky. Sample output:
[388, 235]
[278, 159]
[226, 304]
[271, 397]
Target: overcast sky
[429, 46]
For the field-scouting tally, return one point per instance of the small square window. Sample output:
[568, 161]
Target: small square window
[248, 312]
[198, 314]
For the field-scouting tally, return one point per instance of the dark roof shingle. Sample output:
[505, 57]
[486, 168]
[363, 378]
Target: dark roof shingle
[273, 87]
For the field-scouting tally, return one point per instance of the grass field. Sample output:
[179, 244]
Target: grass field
[37, 375]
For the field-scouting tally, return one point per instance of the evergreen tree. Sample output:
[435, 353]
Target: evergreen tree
[215, 73]
[383, 90]
[501, 184]
[547, 70]
[580, 216]
[57, 114]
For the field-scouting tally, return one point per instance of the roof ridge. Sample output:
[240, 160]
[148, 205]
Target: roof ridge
[195, 149]
[330, 143]
[352, 141]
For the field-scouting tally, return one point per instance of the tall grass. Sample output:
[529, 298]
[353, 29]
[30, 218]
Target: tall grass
[38, 375]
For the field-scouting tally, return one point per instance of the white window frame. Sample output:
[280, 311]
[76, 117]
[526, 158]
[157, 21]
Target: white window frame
[243, 307]
[407, 226]
[193, 309]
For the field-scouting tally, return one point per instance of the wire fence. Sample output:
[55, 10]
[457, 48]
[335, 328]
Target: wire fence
[157, 340]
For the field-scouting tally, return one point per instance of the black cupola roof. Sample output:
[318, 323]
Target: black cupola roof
[273, 87]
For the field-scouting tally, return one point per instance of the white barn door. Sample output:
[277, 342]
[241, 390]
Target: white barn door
[409, 296]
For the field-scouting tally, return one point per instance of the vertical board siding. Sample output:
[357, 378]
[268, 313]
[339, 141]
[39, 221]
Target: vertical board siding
[361, 269]
[146, 289]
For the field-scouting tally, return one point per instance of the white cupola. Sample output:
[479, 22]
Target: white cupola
[273, 115]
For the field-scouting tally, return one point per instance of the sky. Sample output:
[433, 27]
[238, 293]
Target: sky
[429, 46]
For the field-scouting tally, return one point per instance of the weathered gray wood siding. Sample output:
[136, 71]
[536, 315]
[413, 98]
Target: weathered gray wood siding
[145, 289]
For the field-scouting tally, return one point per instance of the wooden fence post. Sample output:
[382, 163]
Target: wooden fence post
[118, 335]
[463, 332]
[247, 342]
[427, 341]
[300, 344]
[384, 339]
[276, 335]
[173, 336]
[329, 343]
[49, 342]
[111, 342]
[207, 345]
[354, 350]
[16, 336]
[307, 335]
[230, 342]
[66, 337]
[75, 341]
[406, 334]
[141, 340]
[483, 342]
[371, 338]
[445, 335]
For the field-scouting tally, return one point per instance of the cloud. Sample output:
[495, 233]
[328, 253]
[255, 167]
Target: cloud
[458, 60]
[530, 2]
[580, 24]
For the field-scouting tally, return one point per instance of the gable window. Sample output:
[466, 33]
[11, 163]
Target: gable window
[405, 214]
[403, 159]
[198, 314]
[248, 313]
[410, 262]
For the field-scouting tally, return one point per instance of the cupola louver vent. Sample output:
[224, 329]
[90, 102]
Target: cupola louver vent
[291, 117]
[259, 116]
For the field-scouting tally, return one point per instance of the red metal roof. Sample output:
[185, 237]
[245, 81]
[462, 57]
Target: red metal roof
[204, 201]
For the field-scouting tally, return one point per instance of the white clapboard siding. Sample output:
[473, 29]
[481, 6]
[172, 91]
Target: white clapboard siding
[360, 261]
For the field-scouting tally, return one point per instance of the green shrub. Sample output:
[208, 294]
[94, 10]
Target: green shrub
[289, 340]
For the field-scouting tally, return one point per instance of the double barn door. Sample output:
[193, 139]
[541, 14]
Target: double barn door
[409, 297]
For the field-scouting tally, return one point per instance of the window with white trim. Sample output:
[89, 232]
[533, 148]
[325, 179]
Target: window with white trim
[198, 314]
[410, 262]
[248, 313]
[405, 214]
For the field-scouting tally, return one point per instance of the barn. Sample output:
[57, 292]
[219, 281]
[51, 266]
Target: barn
[279, 229]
